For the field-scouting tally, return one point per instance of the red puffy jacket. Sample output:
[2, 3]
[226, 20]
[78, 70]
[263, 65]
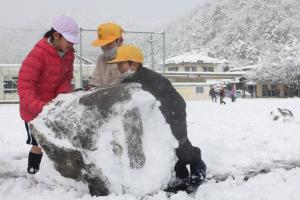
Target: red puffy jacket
[43, 75]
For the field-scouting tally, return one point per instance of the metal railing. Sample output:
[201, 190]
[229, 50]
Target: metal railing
[150, 40]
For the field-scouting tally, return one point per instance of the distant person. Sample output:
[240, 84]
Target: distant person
[46, 72]
[109, 39]
[130, 64]
[222, 96]
[232, 95]
[252, 91]
[212, 94]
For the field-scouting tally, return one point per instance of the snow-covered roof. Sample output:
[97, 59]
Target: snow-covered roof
[245, 68]
[193, 57]
[220, 81]
[190, 84]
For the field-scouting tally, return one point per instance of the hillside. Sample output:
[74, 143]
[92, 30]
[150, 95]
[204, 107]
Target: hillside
[243, 32]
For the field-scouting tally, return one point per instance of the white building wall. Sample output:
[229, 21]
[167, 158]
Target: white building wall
[1, 85]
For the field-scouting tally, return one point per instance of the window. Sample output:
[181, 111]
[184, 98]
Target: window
[208, 69]
[199, 90]
[285, 90]
[173, 69]
[190, 69]
[265, 90]
[10, 85]
[274, 91]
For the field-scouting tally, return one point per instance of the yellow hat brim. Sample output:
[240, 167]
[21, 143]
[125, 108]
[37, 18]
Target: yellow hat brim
[116, 60]
[100, 43]
[128, 53]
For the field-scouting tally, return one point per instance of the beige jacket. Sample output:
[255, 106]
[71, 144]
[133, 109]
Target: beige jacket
[104, 74]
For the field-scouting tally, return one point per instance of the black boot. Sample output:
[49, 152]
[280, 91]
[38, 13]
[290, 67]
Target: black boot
[182, 178]
[178, 185]
[34, 161]
[198, 176]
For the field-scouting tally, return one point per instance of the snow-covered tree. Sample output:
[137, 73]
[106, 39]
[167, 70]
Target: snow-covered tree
[241, 31]
[283, 67]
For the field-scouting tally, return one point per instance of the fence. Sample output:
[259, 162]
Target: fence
[152, 44]
[17, 42]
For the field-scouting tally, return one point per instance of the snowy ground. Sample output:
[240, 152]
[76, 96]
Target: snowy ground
[235, 138]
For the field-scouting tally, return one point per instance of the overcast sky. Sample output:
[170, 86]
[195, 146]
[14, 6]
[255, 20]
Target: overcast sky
[20, 13]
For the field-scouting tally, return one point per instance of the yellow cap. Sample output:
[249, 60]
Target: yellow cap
[128, 53]
[107, 33]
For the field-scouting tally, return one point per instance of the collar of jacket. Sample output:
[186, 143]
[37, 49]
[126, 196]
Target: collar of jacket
[44, 44]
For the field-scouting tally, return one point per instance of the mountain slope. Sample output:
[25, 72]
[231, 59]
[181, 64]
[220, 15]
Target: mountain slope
[242, 31]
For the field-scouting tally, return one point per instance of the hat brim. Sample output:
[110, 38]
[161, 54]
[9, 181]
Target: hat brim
[100, 43]
[116, 60]
[71, 38]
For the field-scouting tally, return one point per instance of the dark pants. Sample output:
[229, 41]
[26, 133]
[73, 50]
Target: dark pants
[214, 98]
[179, 130]
[233, 98]
[177, 121]
[221, 100]
[30, 139]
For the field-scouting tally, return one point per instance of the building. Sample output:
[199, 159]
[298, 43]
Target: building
[192, 74]
[194, 62]
[196, 85]
[263, 89]
[242, 83]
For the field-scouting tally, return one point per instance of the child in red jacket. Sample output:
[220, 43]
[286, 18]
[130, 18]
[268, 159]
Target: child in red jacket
[46, 72]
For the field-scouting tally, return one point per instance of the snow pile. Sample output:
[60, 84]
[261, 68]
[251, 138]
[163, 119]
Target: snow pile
[281, 114]
[236, 138]
[109, 148]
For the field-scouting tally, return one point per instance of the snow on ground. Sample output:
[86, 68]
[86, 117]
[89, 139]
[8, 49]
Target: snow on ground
[234, 138]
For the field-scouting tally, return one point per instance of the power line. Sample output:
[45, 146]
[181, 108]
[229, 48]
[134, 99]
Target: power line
[17, 28]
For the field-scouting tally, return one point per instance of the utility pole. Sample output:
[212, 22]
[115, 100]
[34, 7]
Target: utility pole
[80, 68]
[162, 33]
[164, 50]
[2, 84]
[152, 53]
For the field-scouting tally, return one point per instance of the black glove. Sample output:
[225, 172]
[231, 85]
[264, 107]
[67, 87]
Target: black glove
[34, 161]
